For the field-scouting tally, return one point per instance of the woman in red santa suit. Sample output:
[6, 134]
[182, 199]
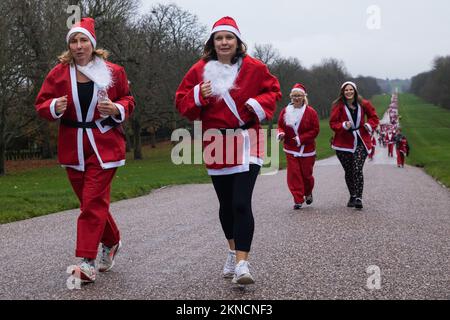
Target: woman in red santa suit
[231, 93]
[353, 119]
[298, 126]
[91, 98]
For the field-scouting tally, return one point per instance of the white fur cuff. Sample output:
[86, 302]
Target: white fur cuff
[257, 108]
[122, 113]
[368, 127]
[53, 111]
[197, 96]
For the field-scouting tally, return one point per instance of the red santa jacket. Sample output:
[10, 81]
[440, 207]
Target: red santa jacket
[107, 141]
[300, 128]
[252, 84]
[346, 140]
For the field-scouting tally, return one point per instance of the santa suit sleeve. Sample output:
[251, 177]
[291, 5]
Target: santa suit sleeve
[188, 98]
[372, 118]
[310, 135]
[336, 123]
[125, 101]
[46, 100]
[281, 125]
[264, 104]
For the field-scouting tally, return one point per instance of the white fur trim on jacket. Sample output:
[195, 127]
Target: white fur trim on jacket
[53, 111]
[197, 96]
[257, 108]
[222, 76]
[98, 71]
[368, 127]
[122, 113]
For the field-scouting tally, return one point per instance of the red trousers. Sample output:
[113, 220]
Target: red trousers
[93, 187]
[400, 158]
[390, 149]
[300, 178]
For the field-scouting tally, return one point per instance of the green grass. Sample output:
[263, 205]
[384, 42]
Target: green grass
[427, 128]
[42, 191]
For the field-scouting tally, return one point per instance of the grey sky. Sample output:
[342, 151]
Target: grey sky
[411, 34]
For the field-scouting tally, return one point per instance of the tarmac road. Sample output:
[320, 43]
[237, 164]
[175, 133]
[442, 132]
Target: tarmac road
[174, 247]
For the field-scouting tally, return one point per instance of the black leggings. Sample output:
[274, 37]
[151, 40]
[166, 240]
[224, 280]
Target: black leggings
[235, 197]
[353, 164]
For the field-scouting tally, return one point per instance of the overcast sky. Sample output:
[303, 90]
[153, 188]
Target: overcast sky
[381, 38]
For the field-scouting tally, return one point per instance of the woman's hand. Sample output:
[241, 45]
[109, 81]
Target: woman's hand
[61, 104]
[206, 89]
[108, 108]
[250, 108]
[347, 125]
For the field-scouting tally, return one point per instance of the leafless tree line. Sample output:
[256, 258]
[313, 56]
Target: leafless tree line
[156, 48]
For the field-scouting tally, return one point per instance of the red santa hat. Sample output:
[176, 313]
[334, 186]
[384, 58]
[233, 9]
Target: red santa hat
[350, 83]
[226, 24]
[85, 26]
[298, 87]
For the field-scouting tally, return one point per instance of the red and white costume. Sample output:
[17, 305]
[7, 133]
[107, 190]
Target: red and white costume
[90, 155]
[346, 139]
[402, 151]
[246, 82]
[299, 127]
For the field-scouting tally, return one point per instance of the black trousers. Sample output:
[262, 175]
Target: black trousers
[353, 164]
[235, 192]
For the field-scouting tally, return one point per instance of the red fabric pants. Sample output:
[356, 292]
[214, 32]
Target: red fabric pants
[300, 178]
[95, 223]
[390, 149]
[400, 158]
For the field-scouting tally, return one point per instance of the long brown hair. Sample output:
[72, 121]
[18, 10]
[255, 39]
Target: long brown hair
[209, 52]
[342, 98]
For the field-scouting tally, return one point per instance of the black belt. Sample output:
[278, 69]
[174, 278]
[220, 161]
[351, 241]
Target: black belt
[245, 126]
[88, 125]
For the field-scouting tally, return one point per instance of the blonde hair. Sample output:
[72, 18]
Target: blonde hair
[305, 97]
[67, 58]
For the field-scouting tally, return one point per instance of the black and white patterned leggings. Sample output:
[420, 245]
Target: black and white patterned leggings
[353, 164]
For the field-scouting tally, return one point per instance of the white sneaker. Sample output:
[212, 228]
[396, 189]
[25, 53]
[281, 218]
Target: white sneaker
[230, 264]
[242, 273]
[107, 258]
[84, 271]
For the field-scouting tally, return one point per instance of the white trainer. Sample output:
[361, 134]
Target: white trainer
[107, 259]
[242, 273]
[230, 264]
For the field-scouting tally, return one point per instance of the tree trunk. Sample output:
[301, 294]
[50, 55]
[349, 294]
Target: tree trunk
[128, 144]
[152, 132]
[136, 126]
[2, 141]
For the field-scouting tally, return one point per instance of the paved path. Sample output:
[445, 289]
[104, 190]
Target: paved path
[174, 247]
